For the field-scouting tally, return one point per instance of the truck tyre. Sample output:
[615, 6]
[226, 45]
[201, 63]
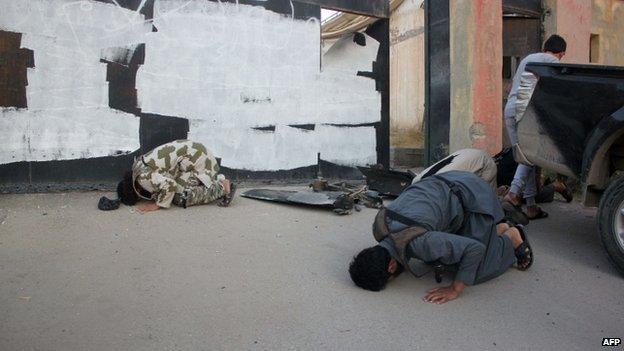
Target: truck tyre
[611, 222]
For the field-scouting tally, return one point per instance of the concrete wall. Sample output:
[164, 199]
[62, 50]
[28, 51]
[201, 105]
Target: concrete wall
[572, 19]
[608, 24]
[248, 81]
[596, 25]
[407, 76]
[476, 84]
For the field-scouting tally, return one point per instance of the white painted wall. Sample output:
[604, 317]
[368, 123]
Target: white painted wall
[227, 53]
[225, 67]
[68, 115]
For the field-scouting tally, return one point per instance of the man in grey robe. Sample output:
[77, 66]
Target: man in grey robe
[454, 219]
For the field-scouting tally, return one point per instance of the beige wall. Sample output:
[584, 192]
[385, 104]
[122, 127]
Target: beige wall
[608, 24]
[407, 76]
[579, 20]
[572, 19]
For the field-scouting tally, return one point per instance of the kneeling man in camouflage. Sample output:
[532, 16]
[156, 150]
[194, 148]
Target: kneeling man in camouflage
[452, 219]
[182, 172]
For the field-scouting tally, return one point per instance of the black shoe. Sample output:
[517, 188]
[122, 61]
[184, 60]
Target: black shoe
[107, 204]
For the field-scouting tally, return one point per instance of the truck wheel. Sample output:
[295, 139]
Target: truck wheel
[611, 222]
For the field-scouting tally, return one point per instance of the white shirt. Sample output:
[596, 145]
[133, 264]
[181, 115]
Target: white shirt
[510, 108]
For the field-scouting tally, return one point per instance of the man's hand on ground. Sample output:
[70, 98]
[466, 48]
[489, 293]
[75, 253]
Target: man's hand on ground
[441, 295]
[445, 294]
[145, 207]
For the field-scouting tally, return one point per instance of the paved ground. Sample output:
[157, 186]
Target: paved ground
[261, 276]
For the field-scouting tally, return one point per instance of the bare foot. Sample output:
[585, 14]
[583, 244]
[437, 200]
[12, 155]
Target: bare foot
[230, 191]
[226, 186]
[501, 228]
[514, 234]
[145, 207]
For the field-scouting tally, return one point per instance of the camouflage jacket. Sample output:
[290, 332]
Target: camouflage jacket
[172, 167]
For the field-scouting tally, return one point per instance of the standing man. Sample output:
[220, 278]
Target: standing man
[183, 172]
[524, 179]
[452, 218]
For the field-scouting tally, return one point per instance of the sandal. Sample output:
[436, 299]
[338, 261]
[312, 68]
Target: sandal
[514, 213]
[227, 199]
[540, 214]
[524, 253]
[567, 195]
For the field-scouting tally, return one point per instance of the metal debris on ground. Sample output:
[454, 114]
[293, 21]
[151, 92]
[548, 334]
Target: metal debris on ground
[386, 182]
[341, 197]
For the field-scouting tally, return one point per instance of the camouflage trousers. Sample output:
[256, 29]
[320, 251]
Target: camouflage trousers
[196, 193]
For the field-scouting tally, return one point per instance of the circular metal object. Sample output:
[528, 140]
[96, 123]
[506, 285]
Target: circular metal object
[618, 225]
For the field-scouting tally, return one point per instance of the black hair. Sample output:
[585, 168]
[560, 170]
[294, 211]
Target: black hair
[555, 44]
[125, 191]
[369, 269]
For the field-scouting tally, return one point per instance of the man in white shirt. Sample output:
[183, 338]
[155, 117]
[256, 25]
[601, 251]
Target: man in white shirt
[524, 179]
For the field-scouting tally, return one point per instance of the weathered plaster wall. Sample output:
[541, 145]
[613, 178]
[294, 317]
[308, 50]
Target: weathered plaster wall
[260, 69]
[407, 76]
[608, 24]
[476, 66]
[68, 114]
[248, 80]
[572, 19]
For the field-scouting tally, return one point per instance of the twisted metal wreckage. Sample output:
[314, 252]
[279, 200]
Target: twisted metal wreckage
[343, 197]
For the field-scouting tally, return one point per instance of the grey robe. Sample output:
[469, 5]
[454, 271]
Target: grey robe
[471, 243]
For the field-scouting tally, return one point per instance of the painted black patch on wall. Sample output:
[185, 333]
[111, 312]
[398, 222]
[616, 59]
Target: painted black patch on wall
[358, 125]
[13, 67]
[308, 127]
[255, 100]
[375, 8]
[368, 74]
[380, 31]
[322, 168]
[359, 39]
[121, 77]
[155, 130]
[265, 128]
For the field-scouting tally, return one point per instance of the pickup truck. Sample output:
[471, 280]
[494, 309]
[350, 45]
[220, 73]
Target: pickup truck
[574, 125]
